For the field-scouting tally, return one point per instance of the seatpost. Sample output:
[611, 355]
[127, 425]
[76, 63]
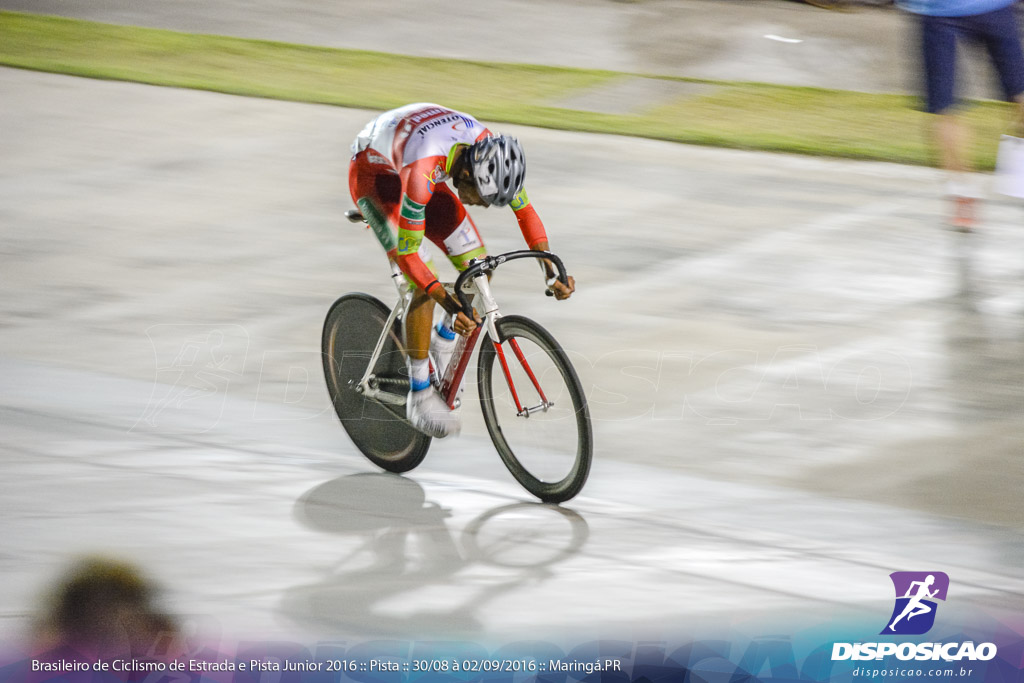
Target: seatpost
[398, 277]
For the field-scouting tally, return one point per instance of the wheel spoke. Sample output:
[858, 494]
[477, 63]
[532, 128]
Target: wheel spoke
[547, 445]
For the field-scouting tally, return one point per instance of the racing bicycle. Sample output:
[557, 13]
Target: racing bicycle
[532, 401]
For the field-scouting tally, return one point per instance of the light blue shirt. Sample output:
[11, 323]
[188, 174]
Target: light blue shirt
[953, 8]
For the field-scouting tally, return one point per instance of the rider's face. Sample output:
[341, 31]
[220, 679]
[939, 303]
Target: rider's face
[467, 190]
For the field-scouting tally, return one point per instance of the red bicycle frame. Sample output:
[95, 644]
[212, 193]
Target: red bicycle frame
[456, 370]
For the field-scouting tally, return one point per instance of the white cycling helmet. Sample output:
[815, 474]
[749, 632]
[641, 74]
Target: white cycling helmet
[498, 167]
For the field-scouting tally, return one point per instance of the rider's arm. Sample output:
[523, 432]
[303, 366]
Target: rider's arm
[529, 222]
[536, 237]
[416, 192]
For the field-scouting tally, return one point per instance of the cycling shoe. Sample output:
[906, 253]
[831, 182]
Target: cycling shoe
[428, 413]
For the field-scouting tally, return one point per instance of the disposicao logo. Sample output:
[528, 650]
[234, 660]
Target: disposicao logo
[913, 615]
[916, 593]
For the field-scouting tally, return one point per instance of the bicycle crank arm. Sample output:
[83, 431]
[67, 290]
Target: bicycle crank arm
[386, 397]
[377, 394]
[541, 408]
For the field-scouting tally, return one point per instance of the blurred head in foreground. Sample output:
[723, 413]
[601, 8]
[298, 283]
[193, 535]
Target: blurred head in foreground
[102, 608]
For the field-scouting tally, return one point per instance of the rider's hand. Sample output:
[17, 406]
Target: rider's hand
[561, 291]
[463, 324]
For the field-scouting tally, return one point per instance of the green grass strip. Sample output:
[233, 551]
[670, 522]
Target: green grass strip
[741, 115]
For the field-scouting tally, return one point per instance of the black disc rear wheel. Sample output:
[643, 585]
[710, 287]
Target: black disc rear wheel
[379, 430]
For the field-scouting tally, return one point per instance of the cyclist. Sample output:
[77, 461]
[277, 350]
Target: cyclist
[401, 162]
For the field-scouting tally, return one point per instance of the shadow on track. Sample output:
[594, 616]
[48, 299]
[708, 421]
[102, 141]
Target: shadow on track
[409, 570]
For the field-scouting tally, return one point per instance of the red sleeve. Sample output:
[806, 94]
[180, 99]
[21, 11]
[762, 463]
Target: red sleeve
[529, 222]
[418, 180]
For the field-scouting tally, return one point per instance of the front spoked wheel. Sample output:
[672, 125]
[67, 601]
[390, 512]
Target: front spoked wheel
[535, 410]
[379, 430]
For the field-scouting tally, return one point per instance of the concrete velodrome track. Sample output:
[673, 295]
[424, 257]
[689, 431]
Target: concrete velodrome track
[801, 382]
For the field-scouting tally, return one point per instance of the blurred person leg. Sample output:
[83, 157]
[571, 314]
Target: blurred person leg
[1007, 54]
[939, 38]
[997, 30]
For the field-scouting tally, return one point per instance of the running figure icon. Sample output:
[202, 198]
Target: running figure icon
[916, 595]
[915, 607]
